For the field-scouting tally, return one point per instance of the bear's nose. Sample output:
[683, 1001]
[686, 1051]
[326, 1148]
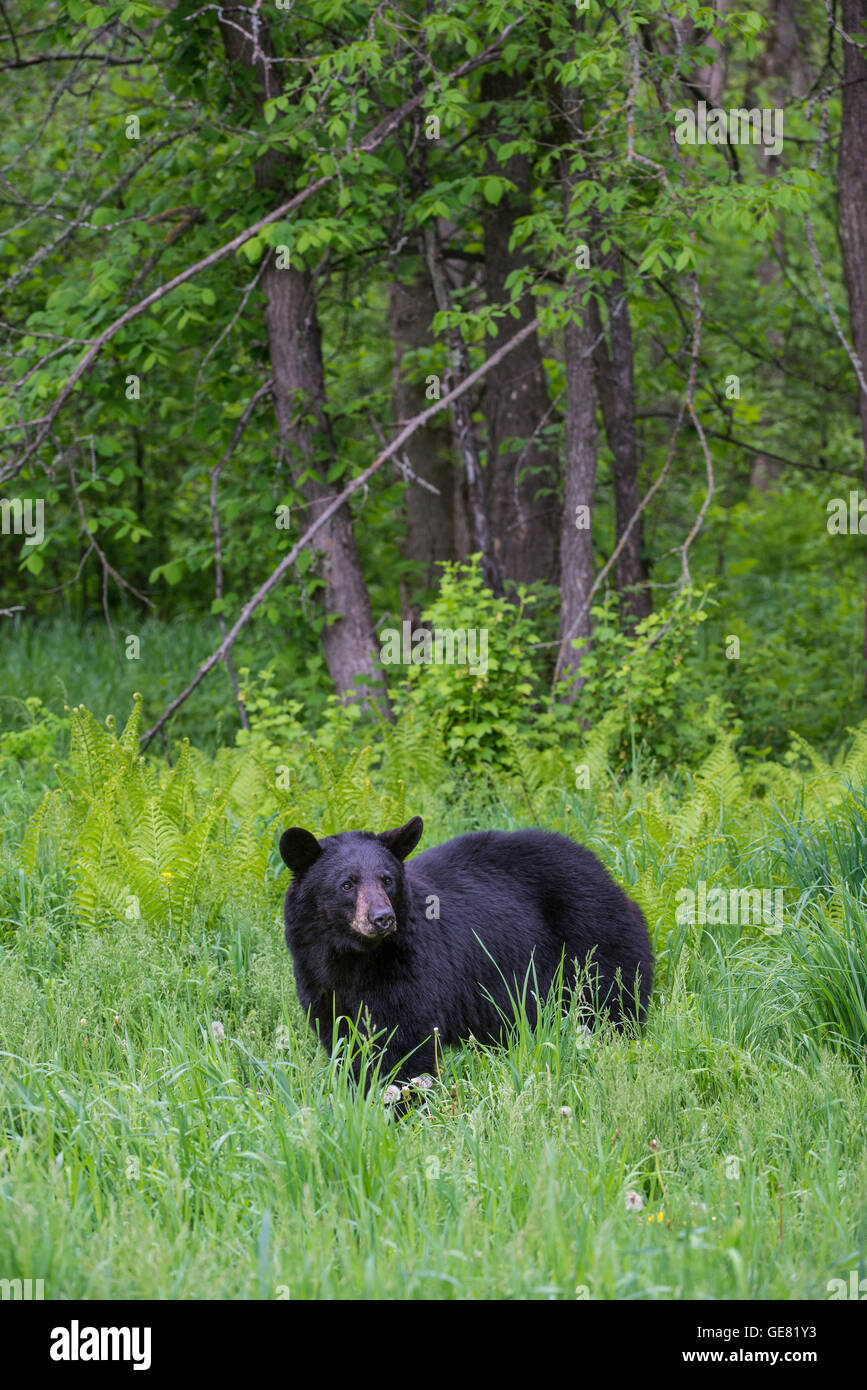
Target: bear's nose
[382, 921]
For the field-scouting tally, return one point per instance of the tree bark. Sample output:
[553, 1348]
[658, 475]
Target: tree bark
[852, 173]
[466, 441]
[430, 516]
[521, 482]
[303, 423]
[780, 65]
[615, 384]
[305, 431]
[576, 536]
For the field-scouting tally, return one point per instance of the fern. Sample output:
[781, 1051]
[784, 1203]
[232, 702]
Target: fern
[28, 850]
[178, 800]
[139, 837]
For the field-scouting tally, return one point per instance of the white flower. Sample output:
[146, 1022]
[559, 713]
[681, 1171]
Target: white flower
[218, 1031]
[634, 1201]
[424, 1082]
[566, 1111]
[390, 1095]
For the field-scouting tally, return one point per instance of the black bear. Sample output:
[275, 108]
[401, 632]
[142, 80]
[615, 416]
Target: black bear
[442, 942]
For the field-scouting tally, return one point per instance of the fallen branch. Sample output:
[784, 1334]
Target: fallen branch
[334, 506]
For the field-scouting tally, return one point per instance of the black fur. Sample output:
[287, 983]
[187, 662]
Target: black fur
[359, 930]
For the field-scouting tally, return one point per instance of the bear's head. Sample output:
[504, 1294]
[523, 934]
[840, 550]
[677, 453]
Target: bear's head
[352, 884]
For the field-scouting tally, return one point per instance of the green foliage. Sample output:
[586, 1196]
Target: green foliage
[791, 595]
[136, 469]
[273, 719]
[481, 708]
[648, 679]
[36, 743]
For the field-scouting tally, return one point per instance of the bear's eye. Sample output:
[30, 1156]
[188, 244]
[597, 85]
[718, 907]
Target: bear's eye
[348, 886]
[387, 880]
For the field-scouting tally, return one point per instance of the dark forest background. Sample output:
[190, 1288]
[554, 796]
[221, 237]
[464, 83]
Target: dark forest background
[243, 247]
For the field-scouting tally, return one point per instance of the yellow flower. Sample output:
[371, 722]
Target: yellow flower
[167, 873]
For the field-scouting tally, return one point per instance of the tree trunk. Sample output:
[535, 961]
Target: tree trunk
[521, 482]
[299, 400]
[615, 384]
[430, 516]
[305, 431]
[852, 174]
[576, 536]
[466, 442]
[780, 65]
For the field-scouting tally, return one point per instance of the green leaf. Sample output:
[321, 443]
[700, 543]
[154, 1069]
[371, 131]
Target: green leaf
[173, 572]
[33, 562]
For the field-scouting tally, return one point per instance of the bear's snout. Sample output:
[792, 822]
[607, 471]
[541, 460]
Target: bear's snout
[382, 923]
[374, 915]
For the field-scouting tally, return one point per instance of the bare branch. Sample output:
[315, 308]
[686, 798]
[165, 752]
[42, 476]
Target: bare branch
[70, 58]
[108, 569]
[325, 515]
[811, 241]
[371, 142]
[686, 405]
[218, 540]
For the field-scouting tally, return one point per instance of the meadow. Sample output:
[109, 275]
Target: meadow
[169, 1127]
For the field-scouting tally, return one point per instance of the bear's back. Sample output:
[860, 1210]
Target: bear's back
[535, 857]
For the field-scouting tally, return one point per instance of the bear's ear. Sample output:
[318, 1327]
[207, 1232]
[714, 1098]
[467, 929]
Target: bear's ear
[403, 841]
[299, 849]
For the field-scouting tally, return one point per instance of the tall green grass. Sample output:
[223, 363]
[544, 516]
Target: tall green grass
[169, 1126]
[141, 1156]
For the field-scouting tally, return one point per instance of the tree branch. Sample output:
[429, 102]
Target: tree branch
[274, 578]
[70, 58]
[370, 143]
[686, 405]
[218, 540]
